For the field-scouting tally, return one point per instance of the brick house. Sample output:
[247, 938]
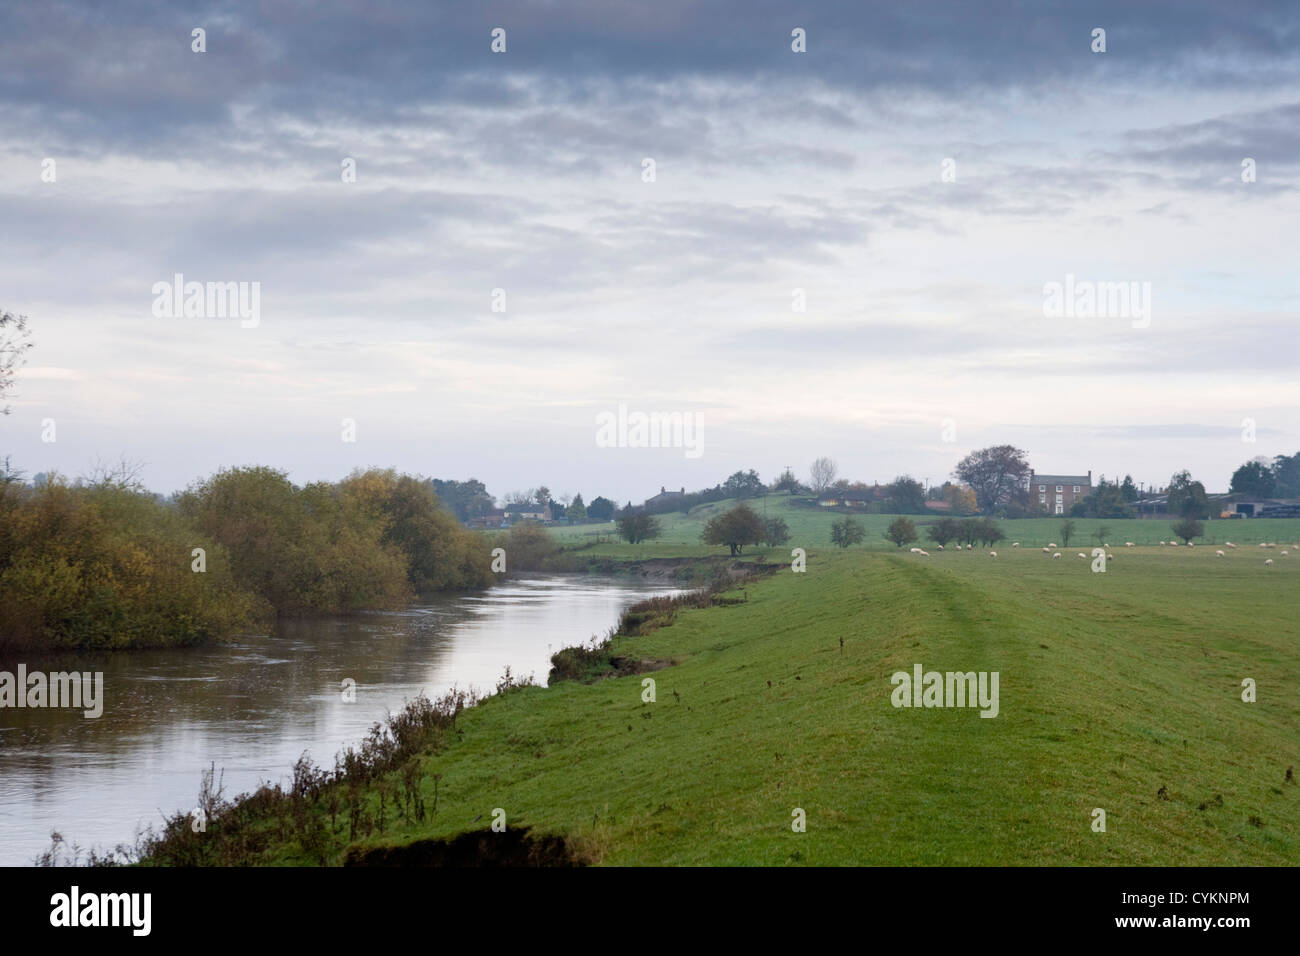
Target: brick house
[663, 497]
[1057, 493]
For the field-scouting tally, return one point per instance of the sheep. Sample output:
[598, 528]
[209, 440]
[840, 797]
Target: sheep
[968, 547]
[1015, 544]
[915, 550]
[994, 554]
[1109, 556]
[940, 547]
[1047, 551]
[1128, 544]
[1082, 555]
[926, 553]
[1263, 545]
[1228, 544]
[1219, 553]
[1268, 560]
[1163, 543]
[1057, 555]
[1173, 544]
[1285, 553]
[1051, 544]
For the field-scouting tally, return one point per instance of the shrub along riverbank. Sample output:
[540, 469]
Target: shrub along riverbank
[106, 566]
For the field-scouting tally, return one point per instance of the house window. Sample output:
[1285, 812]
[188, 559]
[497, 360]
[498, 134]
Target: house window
[1059, 498]
[1076, 489]
[1059, 488]
[1060, 508]
[1042, 487]
[1042, 499]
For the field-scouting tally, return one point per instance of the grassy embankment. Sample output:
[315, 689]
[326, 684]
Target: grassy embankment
[1119, 690]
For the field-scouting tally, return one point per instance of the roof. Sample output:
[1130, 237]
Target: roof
[1062, 479]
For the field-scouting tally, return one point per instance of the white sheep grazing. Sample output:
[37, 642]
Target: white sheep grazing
[1228, 544]
[926, 553]
[1082, 555]
[915, 550]
[969, 546]
[1263, 545]
[1057, 555]
[1109, 556]
[1285, 553]
[940, 547]
[1051, 544]
[1173, 544]
[1268, 560]
[1219, 553]
[1015, 544]
[1047, 551]
[1163, 543]
[994, 554]
[1128, 544]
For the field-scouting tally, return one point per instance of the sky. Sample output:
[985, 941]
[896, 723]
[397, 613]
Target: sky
[503, 269]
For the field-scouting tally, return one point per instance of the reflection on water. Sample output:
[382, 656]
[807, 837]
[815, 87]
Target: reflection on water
[253, 708]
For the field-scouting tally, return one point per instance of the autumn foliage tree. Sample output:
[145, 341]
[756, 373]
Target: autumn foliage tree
[735, 528]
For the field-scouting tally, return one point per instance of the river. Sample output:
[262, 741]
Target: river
[254, 707]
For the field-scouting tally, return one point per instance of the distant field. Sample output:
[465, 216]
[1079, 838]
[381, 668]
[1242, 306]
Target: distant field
[812, 528]
[1119, 691]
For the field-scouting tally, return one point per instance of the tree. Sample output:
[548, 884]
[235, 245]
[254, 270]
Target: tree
[989, 532]
[787, 482]
[1253, 478]
[1101, 534]
[542, 496]
[943, 531]
[1187, 498]
[960, 498]
[735, 528]
[466, 499]
[996, 474]
[822, 475]
[1128, 490]
[13, 332]
[847, 532]
[775, 532]
[906, 496]
[601, 509]
[1067, 530]
[744, 485]
[577, 510]
[1286, 476]
[636, 526]
[1187, 529]
[902, 531]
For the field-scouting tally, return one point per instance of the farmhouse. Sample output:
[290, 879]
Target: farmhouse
[664, 497]
[1057, 493]
[528, 512]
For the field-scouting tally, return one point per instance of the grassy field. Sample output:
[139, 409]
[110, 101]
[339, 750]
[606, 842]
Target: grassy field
[1119, 691]
[811, 527]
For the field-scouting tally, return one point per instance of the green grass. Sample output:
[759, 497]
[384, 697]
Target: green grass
[811, 527]
[1113, 686]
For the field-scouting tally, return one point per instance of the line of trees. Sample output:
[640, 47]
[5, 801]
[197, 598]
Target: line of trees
[106, 564]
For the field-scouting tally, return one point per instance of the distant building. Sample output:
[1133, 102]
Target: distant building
[664, 496]
[528, 512]
[1057, 493]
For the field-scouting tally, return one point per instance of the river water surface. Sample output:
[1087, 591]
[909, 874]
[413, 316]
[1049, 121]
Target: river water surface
[253, 708]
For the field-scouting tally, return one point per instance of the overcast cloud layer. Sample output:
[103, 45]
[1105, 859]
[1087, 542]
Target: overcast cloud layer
[775, 171]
